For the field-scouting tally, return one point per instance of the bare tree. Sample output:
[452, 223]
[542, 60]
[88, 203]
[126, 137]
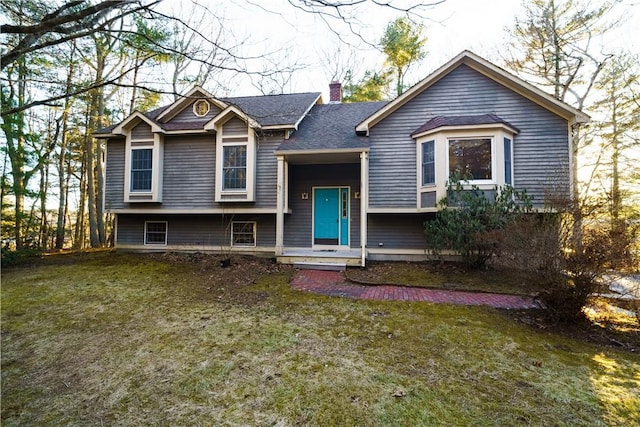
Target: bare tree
[552, 46]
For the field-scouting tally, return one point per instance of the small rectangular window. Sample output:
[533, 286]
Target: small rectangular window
[141, 167]
[428, 163]
[507, 162]
[234, 167]
[243, 233]
[470, 158]
[155, 233]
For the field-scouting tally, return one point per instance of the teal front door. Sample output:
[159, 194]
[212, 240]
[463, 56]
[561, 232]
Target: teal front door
[331, 216]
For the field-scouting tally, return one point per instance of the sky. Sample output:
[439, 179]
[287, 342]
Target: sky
[451, 27]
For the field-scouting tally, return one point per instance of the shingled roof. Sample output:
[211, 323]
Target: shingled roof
[269, 110]
[332, 126]
[442, 121]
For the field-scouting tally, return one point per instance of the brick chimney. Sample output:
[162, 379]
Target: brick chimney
[335, 92]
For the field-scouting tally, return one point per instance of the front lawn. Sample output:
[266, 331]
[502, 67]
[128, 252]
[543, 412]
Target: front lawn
[130, 340]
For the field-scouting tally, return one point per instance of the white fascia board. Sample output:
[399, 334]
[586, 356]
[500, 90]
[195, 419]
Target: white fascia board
[474, 128]
[279, 127]
[132, 121]
[317, 101]
[524, 88]
[106, 135]
[408, 95]
[194, 211]
[226, 113]
[321, 151]
[393, 210]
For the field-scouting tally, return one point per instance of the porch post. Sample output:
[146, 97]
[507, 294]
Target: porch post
[364, 204]
[280, 202]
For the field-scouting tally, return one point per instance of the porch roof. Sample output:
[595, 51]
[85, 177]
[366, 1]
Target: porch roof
[330, 127]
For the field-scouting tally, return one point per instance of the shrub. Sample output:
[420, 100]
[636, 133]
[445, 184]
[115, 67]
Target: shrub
[12, 258]
[471, 222]
[571, 273]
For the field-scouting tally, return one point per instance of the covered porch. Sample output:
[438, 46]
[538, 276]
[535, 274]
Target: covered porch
[321, 219]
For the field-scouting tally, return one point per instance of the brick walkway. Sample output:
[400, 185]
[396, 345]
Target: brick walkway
[333, 283]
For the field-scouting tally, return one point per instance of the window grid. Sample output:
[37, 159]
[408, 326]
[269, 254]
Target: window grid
[507, 162]
[243, 233]
[428, 163]
[155, 233]
[234, 167]
[141, 168]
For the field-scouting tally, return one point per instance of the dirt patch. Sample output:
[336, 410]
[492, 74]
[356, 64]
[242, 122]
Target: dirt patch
[206, 277]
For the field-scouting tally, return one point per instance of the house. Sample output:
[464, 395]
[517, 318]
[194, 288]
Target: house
[306, 181]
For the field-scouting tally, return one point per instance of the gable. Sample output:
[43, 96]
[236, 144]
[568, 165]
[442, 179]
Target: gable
[187, 119]
[184, 105]
[491, 72]
[465, 92]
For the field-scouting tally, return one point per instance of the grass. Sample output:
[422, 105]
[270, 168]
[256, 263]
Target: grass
[121, 339]
[448, 275]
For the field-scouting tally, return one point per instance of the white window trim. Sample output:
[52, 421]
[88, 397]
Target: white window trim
[435, 163]
[255, 232]
[166, 233]
[248, 194]
[511, 146]
[156, 145]
[140, 191]
[442, 136]
[201, 101]
[246, 184]
[494, 155]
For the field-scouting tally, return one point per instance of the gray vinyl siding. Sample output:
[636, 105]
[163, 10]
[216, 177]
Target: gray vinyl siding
[267, 169]
[187, 115]
[540, 150]
[397, 231]
[114, 175]
[142, 131]
[235, 126]
[194, 230]
[302, 178]
[189, 174]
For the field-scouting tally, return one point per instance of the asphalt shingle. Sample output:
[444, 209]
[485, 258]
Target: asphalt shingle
[268, 110]
[332, 126]
[440, 121]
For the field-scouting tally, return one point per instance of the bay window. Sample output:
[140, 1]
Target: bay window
[479, 154]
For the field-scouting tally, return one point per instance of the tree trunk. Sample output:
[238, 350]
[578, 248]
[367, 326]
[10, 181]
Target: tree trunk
[79, 230]
[62, 179]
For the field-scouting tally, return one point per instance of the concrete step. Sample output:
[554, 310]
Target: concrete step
[329, 266]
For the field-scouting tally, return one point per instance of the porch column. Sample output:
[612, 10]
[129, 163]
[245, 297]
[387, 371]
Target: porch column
[280, 205]
[364, 204]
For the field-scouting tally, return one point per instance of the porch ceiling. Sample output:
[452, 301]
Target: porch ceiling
[323, 158]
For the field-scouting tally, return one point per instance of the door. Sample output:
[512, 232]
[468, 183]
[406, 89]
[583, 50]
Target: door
[331, 216]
